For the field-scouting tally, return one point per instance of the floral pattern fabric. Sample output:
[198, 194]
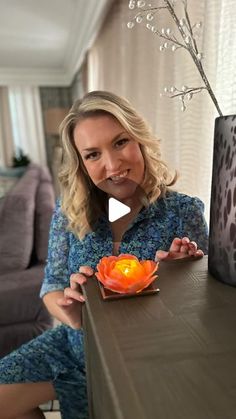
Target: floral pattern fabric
[57, 354]
[176, 215]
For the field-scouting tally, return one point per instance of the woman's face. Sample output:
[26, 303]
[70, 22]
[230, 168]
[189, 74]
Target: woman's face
[113, 159]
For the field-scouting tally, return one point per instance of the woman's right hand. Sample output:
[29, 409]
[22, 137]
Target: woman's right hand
[72, 299]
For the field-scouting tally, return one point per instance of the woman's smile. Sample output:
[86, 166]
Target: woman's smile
[120, 178]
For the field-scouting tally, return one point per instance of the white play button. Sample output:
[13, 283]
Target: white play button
[116, 209]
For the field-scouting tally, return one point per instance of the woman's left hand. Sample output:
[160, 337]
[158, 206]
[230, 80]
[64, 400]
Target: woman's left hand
[180, 249]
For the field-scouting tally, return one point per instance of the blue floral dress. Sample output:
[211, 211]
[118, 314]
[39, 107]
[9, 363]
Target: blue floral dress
[57, 355]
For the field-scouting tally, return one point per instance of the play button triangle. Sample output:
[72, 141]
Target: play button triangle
[116, 209]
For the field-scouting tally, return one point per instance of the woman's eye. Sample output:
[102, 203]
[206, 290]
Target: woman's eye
[91, 156]
[121, 142]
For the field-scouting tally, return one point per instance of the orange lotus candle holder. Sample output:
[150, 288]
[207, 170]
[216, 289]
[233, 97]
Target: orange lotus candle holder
[125, 274]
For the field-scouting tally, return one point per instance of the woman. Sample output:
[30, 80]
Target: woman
[109, 151]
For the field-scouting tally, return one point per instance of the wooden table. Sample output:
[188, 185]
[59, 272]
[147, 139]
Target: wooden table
[166, 356]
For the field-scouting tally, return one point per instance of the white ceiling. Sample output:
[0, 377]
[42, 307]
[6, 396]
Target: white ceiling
[43, 42]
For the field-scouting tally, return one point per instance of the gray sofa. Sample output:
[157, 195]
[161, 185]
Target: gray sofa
[25, 215]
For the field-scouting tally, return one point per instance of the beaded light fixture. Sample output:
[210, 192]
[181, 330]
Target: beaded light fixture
[146, 13]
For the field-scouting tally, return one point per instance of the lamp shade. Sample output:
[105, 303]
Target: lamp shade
[53, 118]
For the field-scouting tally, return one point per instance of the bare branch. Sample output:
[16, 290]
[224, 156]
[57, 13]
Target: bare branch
[185, 30]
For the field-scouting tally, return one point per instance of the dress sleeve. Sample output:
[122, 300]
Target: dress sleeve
[56, 274]
[192, 222]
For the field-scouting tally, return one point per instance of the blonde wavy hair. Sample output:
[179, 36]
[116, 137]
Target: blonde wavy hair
[81, 201]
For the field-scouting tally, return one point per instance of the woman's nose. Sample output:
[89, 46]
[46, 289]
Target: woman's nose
[112, 163]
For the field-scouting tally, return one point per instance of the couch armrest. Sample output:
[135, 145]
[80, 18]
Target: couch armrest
[19, 297]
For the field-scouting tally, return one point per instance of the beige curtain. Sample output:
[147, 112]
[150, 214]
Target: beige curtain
[129, 62]
[27, 122]
[6, 138]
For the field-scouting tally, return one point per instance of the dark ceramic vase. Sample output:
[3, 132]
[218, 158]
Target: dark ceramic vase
[222, 237]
